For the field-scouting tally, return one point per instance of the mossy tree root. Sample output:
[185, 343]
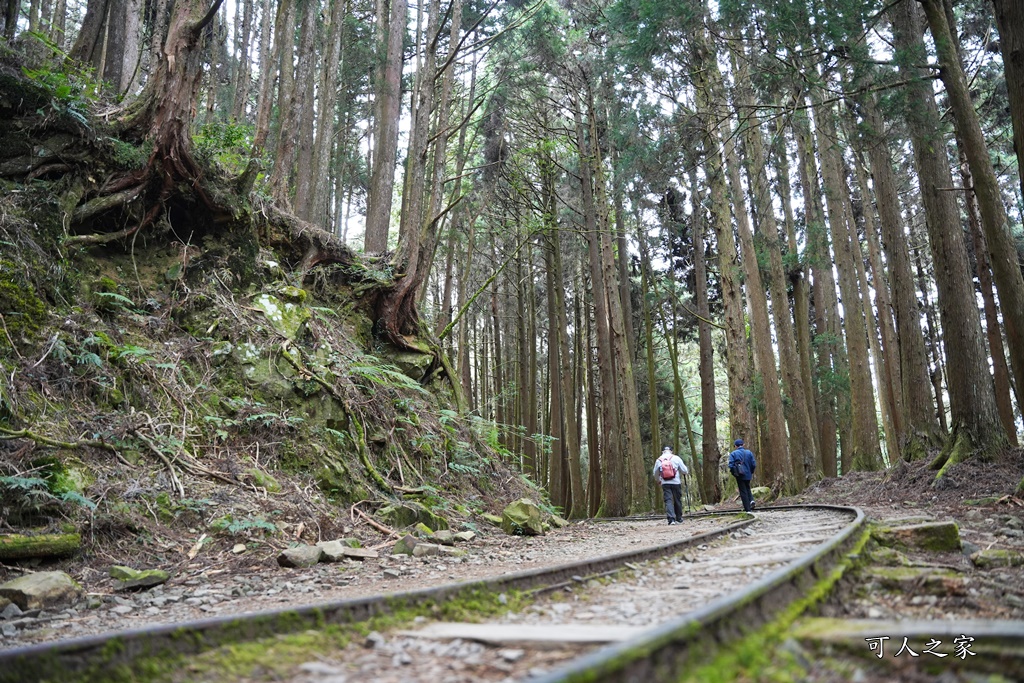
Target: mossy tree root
[359, 438]
[962, 446]
[7, 434]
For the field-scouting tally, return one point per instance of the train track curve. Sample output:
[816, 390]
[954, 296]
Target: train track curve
[642, 615]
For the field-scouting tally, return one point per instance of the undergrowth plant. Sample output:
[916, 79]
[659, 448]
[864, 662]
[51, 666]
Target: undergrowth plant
[27, 499]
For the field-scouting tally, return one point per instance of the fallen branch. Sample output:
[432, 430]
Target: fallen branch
[375, 524]
[166, 461]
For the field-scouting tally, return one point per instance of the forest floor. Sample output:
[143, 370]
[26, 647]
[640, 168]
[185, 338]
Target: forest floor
[216, 581]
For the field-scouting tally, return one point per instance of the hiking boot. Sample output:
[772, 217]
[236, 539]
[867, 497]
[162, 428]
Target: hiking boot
[671, 522]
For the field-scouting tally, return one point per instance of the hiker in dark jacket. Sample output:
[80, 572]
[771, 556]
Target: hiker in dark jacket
[742, 466]
[667, 470]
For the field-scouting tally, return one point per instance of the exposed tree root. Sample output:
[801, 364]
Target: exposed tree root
[98, 205]
[55, 443]
[960, 447]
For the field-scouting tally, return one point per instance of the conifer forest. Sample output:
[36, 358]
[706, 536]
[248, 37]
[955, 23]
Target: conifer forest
[583, 229]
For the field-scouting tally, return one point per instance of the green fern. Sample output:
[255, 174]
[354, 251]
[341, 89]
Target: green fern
[385, 375]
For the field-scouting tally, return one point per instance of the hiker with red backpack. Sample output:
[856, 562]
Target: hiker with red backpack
[667, 470]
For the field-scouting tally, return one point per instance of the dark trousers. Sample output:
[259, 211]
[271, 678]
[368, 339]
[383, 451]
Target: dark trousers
[673, 494]
[745, 495]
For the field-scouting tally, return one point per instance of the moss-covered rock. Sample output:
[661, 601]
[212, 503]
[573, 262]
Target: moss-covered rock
[916, 580]
[444, 537]
[935, 537]
[300, 556]
[493, 519]
[24, 312]
[997, 557]
[410, 513]
[414, 363]
[286, 317]
[889, 557]
[127, 578]
[41, 590]
[405, 546]
[762, 494]
[263, 480]
[522, 518]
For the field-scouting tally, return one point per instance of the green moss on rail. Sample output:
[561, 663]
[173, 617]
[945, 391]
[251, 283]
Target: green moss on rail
[276, 657]
[759, 657]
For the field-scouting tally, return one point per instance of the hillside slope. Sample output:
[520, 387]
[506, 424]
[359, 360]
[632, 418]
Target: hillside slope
[215, 374]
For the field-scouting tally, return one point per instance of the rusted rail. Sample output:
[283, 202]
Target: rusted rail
[99, 658]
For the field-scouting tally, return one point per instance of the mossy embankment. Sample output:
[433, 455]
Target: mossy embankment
[215, 376]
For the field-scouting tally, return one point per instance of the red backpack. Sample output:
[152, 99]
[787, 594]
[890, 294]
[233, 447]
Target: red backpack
[668, 470]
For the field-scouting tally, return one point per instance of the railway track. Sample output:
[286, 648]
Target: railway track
[634, 616]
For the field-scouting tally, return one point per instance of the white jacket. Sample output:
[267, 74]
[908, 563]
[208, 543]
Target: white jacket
[677, 462]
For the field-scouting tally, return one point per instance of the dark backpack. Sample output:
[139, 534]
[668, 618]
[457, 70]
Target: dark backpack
[738, 464]
[668, 470]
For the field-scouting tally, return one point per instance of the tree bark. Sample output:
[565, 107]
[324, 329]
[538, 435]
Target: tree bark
[975, 418]
[614, 474]
[865, 451]
[795, 273]
[709, 486]
[830, 359]
[1010, 20]
[1002, 252]
[921, 430]
[777, 467]
[327, 118]
[280, 175]
[767, 243]
[387, 108]
[305, 76]
[243, 78]
[709, 90]
[270, 64]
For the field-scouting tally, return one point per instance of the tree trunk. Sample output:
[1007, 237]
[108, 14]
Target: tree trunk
[1002, 252]
[932, 342]
[880, 363]
[164, 111]
[865, 451]
[1000, 372]
[243, 77]
[9, 19]
[614, 473]
[827, 337]
[387, 108]
[636, 469]
[287, 123]
[270, 64]
[1010, 20]
[794, 272]
[709, 89]
[709, 486]
[777, 467]
[306, 79]
[975, 418]
[327, 118]
[921, 430]
[795, 400]
[646, 285]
